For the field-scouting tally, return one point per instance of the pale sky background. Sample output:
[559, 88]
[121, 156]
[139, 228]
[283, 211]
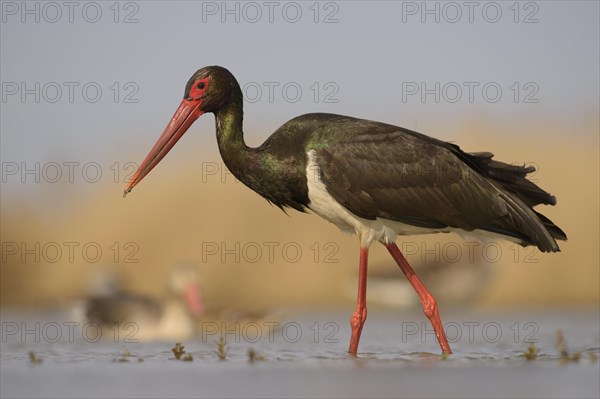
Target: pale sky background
[371, 52]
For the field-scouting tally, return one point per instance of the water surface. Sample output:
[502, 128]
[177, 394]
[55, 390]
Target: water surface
[305, 355]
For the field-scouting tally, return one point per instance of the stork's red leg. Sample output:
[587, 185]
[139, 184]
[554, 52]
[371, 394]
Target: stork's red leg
[427, 300]
[360, 314]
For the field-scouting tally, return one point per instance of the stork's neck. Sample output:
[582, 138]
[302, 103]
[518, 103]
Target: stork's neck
[258, 168]
[238, 157]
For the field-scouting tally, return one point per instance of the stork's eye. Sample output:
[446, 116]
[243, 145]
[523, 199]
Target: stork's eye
[198, 88]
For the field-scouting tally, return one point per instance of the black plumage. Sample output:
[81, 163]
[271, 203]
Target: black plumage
[376, 170]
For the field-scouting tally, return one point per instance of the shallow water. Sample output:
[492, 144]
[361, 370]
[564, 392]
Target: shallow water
[305, 355]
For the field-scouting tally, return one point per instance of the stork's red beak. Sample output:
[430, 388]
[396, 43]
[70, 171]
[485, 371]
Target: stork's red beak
[186, 114]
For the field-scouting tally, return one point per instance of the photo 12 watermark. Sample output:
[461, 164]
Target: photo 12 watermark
[270, 331]
[470, 92]
[253, 12]
[269, 252]
[70, 12]
[69, 252]
[68, 332]
[464, 251]
[491, 332]
[453, 12]
[71, 92]
[67, 172]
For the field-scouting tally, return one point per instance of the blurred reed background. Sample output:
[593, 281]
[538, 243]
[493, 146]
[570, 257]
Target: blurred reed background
[252, 255]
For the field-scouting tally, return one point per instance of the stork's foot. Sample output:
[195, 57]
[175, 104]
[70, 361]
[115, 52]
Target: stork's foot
[360, 314]
[357, 322]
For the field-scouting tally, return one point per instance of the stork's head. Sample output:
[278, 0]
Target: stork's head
[208, 90]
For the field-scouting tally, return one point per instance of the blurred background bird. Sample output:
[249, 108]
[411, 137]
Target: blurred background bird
[143, 317]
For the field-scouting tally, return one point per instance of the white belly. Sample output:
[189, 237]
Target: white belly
[369, 231]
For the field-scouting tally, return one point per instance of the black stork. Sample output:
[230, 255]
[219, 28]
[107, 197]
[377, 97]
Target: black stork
[369, 178]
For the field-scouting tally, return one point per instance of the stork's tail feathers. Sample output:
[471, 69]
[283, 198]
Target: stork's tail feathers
[531, 227]
[521, 195]
[553, 229]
